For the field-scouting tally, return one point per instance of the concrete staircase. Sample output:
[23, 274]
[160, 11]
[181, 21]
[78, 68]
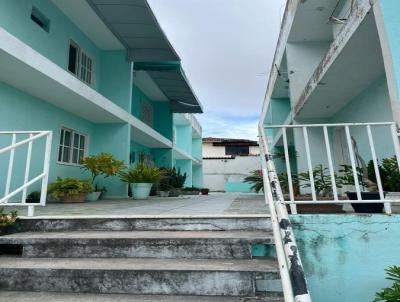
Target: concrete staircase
[139, 259]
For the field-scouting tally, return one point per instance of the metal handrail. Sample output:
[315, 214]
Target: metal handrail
[291, 269]
[43, 176]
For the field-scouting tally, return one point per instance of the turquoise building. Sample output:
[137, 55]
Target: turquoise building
[101, 77]
[333, 100]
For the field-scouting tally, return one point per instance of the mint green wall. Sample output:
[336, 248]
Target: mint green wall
[116, 78]
[197, 148]
[21, 111]
[344, 256]
[197, 176]
[390, 11]
[186, 167]
[163, 118]
[15, 18]
[183, 138]
[137, 149]
[277, 113]
[372, 105]
[114, 139]
[162, 157]
[239, 187]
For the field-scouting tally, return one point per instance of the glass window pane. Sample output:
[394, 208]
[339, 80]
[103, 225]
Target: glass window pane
[76, 140]
[72, 60]
[62, 137]
[59, 153]
[82, 145]
[67, 140]
[66, 155]
[81, 155]
[75, 156]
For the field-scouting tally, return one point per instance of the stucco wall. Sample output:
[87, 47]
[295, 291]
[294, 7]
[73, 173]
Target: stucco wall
[344, 256]
[220, 172]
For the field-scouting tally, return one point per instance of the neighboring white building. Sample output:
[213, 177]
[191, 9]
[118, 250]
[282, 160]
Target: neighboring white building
[227, 161]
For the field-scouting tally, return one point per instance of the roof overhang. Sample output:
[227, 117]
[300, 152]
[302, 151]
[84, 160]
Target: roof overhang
[170, 78]
[134, 24]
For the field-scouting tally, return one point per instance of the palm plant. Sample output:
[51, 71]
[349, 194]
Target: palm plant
[141, 173]
[390, 294]
[322, 180]
[256, 178]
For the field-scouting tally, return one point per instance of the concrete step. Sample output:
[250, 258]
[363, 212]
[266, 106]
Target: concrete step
[237, 223]
[136, 244]
[208, 277]
[74, 297]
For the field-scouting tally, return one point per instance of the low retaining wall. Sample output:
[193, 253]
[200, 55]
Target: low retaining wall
[344, 256]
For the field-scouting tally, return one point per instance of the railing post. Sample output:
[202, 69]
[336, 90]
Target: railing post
[293, 207]
[330, 163]
[309, 163]
[27, 169]
[10, 165]
[46, 168]
[353, 162]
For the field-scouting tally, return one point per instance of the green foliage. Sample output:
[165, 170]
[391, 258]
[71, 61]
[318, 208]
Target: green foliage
[390, 294]
[34, 196]
[284, 181]
[164, 186]
[102, 164]
[388, 170]
[177, 179]
[322, 180]
[191, 189]
[7, 219]
[256, 178]
[142, 173]
[69, 187]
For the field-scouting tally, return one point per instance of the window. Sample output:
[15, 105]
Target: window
[80, 64]
[73, 147]
[40, 19]
[146, 113]
[237, 150]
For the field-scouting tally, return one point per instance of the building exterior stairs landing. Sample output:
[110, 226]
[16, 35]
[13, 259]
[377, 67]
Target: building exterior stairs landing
[139, 259]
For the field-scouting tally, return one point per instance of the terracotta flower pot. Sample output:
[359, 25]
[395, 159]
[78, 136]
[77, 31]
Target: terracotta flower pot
[74, 199]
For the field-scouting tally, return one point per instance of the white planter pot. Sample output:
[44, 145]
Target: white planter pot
[164, 193]
[141, 190]
[93, 196]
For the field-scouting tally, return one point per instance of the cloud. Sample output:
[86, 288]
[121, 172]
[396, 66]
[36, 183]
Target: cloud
[227, 48]
[216, 125]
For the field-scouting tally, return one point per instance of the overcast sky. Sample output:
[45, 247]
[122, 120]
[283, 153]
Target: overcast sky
[226, 47]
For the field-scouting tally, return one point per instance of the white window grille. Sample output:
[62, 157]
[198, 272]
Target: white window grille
[72, 148]
[80, 63]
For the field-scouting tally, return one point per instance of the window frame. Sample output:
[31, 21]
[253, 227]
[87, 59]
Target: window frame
[71, 147]
[78, 64]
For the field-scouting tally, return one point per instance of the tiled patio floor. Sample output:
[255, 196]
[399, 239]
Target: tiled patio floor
[213, 204]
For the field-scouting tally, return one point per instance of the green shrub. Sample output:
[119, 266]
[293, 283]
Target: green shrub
[7, 219]
[390, 294]
[69, 187]
[142, 173]
[101, 164]
[256, 178]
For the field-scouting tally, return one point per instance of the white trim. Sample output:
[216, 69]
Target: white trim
[388, 62]
[104, 110]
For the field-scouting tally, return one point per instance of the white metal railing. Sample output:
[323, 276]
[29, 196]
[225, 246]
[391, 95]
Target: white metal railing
[291, 269]
[27, 181]
[352, 157]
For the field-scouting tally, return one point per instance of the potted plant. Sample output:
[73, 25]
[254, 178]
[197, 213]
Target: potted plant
[7, 220]
[164, 189]
[33, 197]
[191, 191]
[370, 189]
[101, 164]
[141, 178]
[204, 191]
[177, 181]
[70, 190]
